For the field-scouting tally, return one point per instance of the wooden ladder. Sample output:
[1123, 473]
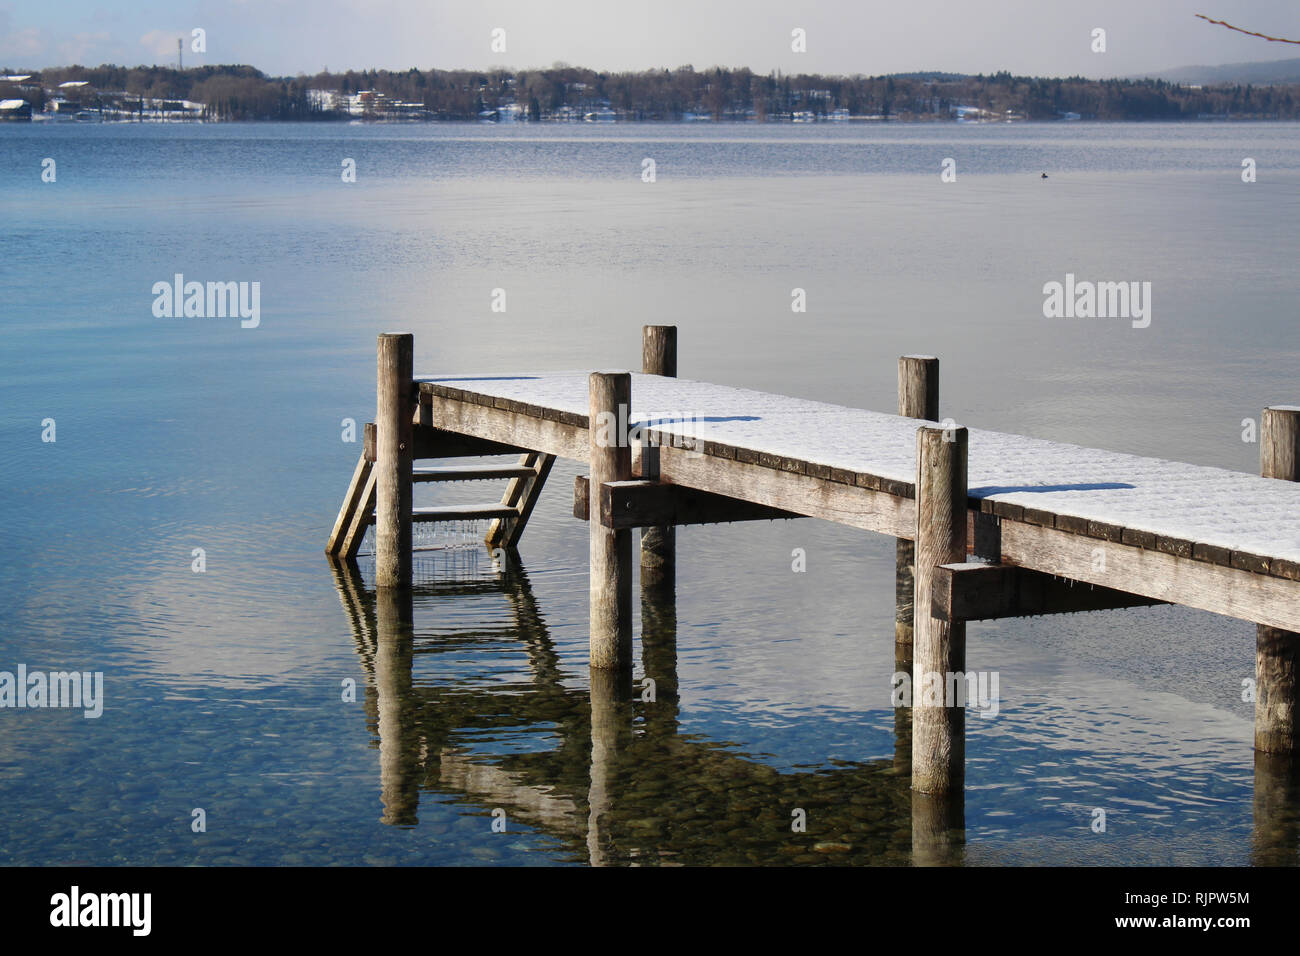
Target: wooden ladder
[509, 516]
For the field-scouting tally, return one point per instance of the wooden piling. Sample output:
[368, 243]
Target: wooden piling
[610, 399]
[658, 545]
[939, 648]
[1276, 650]
[918, 397]
[903, 664]
[393, 457]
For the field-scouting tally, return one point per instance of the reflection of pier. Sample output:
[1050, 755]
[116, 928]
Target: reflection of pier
[621, 784]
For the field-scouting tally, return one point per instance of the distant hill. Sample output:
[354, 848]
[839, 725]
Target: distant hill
[1270, 73]
[936, 75]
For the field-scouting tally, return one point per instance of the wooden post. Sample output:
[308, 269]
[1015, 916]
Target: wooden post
[658, 545]
[610, 401]
[393, 456]
[1276, 650]
[939, 648]
[918, 397]
[903, 664]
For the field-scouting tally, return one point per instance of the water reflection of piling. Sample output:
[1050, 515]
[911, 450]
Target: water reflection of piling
[611, 791]
[611, 731]
[1276, 833]
[938, 828]
[394, 656]
[659, 652]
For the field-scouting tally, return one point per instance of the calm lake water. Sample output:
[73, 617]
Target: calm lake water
[224, 689]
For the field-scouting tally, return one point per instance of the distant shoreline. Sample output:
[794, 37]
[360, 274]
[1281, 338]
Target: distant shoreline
[567, 94]
[855, 123]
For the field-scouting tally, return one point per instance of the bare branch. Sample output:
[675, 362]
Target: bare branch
[1252, 33]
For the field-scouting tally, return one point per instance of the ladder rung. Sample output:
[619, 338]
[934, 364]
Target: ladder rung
[457, 513]
[470, 472]
[462, 512]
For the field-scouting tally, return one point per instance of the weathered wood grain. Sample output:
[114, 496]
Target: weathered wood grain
[351, 502]
[939, 647]
[981, 592]
[658, 544]
[1155, 574]
[394, 455]
[1277, 690]
[610, 457]
[918, 397]
[787, 491]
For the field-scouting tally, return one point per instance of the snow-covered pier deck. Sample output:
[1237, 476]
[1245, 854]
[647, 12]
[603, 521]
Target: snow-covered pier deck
[1004, 525]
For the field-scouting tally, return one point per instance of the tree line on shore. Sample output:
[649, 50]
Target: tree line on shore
[245, 93]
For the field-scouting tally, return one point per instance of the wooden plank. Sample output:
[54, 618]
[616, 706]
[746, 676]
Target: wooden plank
[437, 443]
[799, 494]
[521, 496]
[981, 592]
[641, 504]
[469, 472]
[439, 513]
[835, 435]
[351, 501]
[1166, 577]
[511, 428]
[460, 512]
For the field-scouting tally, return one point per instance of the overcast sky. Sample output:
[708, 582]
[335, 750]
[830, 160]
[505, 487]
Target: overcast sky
[1041, 37]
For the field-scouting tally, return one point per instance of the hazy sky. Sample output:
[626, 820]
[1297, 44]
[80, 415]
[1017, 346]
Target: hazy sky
[1044, 37]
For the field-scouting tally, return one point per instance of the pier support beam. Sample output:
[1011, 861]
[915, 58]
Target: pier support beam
[393, 455]
[610, 401]
[918, 397]
[1276, 650]
[658, 545]
[939, 647]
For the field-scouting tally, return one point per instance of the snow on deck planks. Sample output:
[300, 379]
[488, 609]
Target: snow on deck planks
[1209, 514]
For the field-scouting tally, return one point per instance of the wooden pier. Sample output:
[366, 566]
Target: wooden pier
[990, 525]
